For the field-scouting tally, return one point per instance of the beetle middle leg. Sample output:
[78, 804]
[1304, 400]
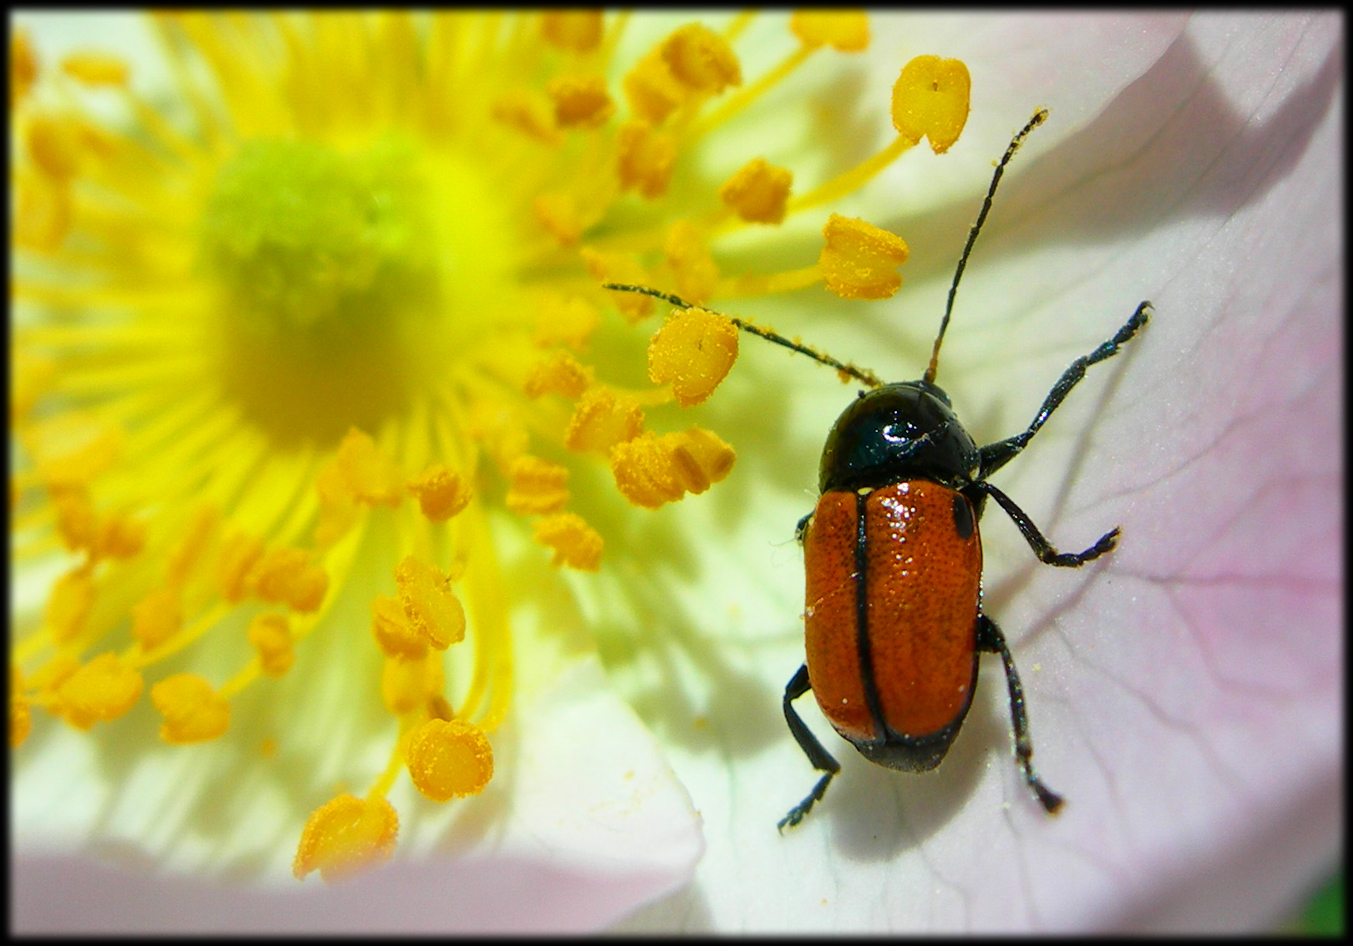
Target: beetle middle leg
[822, 759]
[998, 454]
[991, 640]
[1044, 549]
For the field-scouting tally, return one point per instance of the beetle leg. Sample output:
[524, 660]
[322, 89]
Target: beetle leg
[991, 640]
[1041, 546]
[820, 757]
[998, 454]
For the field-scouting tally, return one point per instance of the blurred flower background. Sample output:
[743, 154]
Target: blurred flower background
[1184, 694]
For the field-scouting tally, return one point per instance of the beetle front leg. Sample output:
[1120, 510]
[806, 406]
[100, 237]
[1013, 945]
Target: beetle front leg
[822, 759]
[991, 640]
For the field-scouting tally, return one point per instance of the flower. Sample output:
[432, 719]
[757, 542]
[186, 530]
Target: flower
[1147, 713]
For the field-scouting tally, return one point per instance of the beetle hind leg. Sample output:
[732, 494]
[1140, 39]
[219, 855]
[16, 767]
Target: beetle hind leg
[822, 759]
[991, 640]
[1044, 549]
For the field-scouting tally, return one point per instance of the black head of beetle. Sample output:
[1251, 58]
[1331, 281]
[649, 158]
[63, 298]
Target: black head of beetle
[903, 431]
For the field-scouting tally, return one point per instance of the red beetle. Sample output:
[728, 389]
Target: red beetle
[893, 557]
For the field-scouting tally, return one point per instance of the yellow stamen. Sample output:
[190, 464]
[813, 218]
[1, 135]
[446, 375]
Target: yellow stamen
[69, 603]
[687, 254]
[96, 69]
[652, 91]
[23, 66]
[644, 158]
[270, 636]
[157, 618]
[576, 30]
[845, 30]
[930, 98]
[575, 543]
[651, 470]
[103, 689]
[860, 260]
[370, 477]
[758, 192]
[408, 682]
[20, 715]
[441, 492]
[700, 459]
[558, 373]
[449, 759]
[601, 420]
[570, 321]
[429, 604]
[538, 486]
[580, 101]
[192, 710]
[346, 837]
[559, 214]
[693, 351]
[701, 59]
[394, 634]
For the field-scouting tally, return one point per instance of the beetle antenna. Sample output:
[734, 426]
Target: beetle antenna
[1039, 118]
[863, 375]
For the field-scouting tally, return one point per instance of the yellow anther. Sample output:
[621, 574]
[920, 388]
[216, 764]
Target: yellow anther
[449, 758]
[76, 522]
[643, 471]
[103, 689]
[338, 511]
[527, 112]
[701, 59]
[23, 66]
[370, 476]
[845, 30]
[860, 260]
[601, 420]
[618, 268]
[930, 99]
[287, 574]
[645, 158]
[538, 486]
[580, 101]
[441, 492]
[270, 636]
[758, 193]
[20, 713]
[559, 214]
[96, 69]
[43, 215]
[575, 543]
[568, 322]
[651, 89]
[157, 617]
[429, 604]
[578, 30]
[55, 145]
[407, 685]
[558, 373]
[120, 536]
[394, 634]
[686, 252]
[238, 554]
[700, 459]
[69, 602]
[192, 710]
[71, 449]
[346, 837]
[189, 552]
[693, 351]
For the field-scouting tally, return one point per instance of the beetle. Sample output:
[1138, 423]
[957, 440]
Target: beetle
[893, 623]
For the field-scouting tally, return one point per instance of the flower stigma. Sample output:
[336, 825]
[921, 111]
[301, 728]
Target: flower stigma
[296, 345]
